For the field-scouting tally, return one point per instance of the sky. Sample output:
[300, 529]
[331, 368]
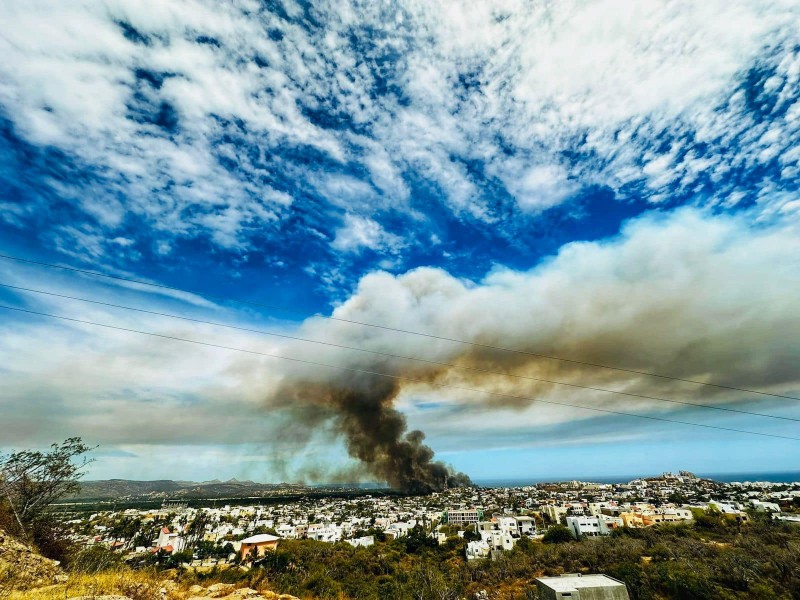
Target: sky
[611, 183]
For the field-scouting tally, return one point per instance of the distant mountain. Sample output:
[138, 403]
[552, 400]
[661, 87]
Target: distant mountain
[166, 488]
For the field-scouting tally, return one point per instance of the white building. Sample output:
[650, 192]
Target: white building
[577, 586]
[286, 531]
[169, 542]
[463, 517]
[765, 506]
[526, 526]
[508, 525]
[477, 550]
[363, 542]
[324, 532]
[581, 527]
[555, 512]
[399, 529]
[676, 514]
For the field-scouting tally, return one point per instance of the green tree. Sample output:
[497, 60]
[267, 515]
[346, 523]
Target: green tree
[417, 539]
[31, 480]
[558, 534]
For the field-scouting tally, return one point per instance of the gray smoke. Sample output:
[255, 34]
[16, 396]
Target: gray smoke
[692, 296]
[376, 433]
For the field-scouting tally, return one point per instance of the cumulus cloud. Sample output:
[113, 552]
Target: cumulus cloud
[673, 293]
[686, 295]
[215, 121]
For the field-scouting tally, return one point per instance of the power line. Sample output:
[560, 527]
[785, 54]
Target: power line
[395, 377]
[395, 329]
[392, 355]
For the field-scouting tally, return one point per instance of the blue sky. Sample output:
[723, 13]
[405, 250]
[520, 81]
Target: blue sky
[610, 183]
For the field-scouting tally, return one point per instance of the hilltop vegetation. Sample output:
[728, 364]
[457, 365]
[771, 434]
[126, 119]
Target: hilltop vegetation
[166, 488]
[711, 559]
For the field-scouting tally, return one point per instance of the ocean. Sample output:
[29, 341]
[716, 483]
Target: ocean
[774, 477]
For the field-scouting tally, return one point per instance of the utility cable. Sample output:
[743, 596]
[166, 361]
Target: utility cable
[395, 377]
[392, 355]
[395, 329]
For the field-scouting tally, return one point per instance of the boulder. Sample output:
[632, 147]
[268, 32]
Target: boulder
[106, 597]
[21, 568]
[220, 590]
[246, 593]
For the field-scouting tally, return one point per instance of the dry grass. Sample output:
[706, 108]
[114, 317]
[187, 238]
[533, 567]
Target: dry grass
[137, 585]
[121, 581]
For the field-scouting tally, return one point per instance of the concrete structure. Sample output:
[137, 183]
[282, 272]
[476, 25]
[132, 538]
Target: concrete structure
[399, 529]
[581, 527]
[263, 543]
[582, 587]
[363, 542]
[498, 540]
[478, 550]
[729, 510]
[169, 541]
[673, 515]
[788, 518]
[462, 517]
[324, 532]
[765, 506]
[526, 526]
[554, 512]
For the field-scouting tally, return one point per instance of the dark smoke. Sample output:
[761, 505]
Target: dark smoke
[691, 297]
[376, 433]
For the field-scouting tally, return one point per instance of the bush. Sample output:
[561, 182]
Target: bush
[95, 559]
[558, 534]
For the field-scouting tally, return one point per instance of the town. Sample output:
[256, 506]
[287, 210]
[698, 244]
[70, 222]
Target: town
[489, 520]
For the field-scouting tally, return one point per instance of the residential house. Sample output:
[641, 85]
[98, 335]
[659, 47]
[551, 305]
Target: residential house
[260, 544]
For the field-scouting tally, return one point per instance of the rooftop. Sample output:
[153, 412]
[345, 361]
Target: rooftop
[575, 581]
[260, 539]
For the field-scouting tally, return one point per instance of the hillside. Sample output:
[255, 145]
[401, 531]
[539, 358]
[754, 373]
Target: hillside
[24, 574]
[166, 488]
[21, 568]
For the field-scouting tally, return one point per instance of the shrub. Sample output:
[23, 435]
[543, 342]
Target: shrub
[558, 534]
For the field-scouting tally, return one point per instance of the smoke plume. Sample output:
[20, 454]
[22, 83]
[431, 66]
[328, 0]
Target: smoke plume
[376, 433]
[691, 296]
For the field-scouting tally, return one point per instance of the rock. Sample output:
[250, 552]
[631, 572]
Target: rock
[227, 591]
[169, 585]
[245, 593]
[22, 569]
[220, 590]
[108, 597]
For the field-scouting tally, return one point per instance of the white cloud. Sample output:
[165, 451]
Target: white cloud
[538, 187]
[358, 233]
[685, 294]
[449, 92]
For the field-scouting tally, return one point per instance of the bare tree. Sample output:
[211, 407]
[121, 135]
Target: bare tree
[31, 480]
